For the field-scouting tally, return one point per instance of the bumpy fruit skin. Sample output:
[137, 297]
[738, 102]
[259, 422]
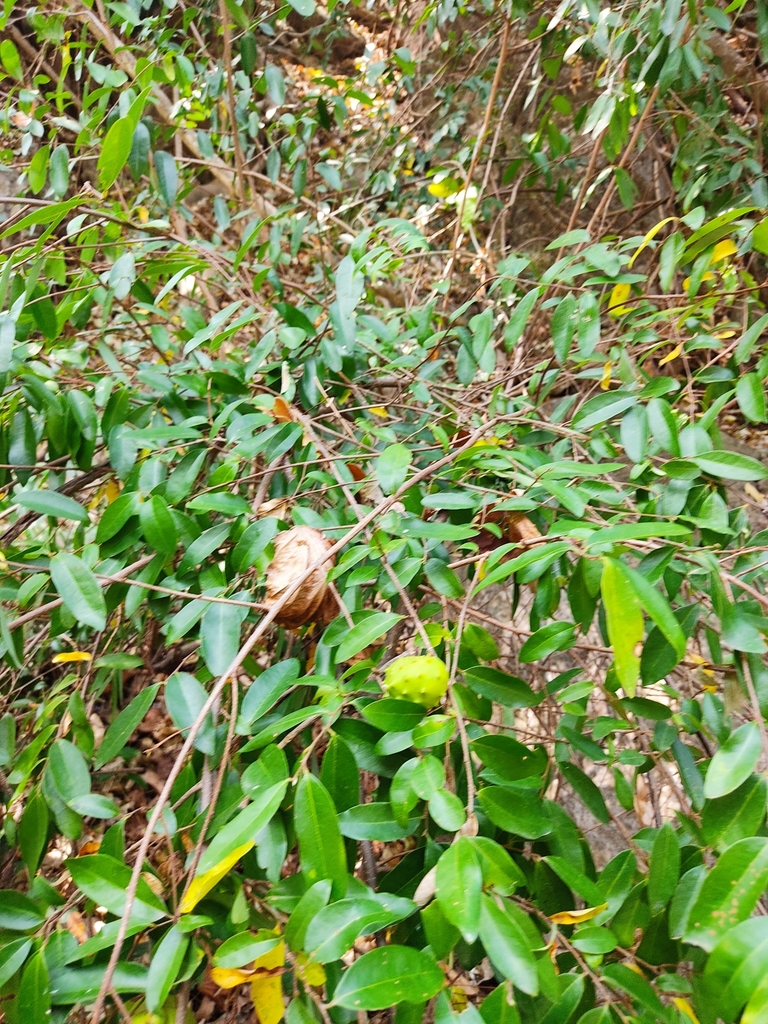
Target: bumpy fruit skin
[419, 678]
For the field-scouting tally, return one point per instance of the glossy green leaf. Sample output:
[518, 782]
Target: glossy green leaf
[124, 725]
[164, 967]
[392, 467]
[508, 945]
[387, 976]
[729, 892]
[520, 812]
[734, 762]
[321, 848]
[115, 151]
[459, 882]
[663, 868]
[51, 503]
[167, 176]
[369, 628]
[625, 622]
[105, 880]
[79, 590]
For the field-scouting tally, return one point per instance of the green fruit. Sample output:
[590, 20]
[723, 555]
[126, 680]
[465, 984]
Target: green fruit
[419, 678]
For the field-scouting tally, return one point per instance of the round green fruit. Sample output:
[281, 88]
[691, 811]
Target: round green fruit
[419, 678]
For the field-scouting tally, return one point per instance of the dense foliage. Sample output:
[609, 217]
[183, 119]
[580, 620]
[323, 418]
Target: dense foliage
[332, 336]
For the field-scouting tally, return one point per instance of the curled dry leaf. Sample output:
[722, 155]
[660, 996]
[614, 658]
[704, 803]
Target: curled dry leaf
[295, 551]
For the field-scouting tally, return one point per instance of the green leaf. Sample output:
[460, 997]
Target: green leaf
[587, 790]
[447, 810]
[331, 933]
[738, 815]
[70, 986]
[220, 634]
[737, 966]
[185, 698]
[51, 503]
[459, 882]
[158, 526]
[369, 627]
[123, 727]
[58, 170]
[520, 812]
[275, 84]
[734, 762]
[33, 1003]
[68, 769]
[563, 327]
[79, 590]
[730, 466]
[664, 868]
[500, 687]
[167, 176]
[729, 892]
[602, 408]
[33, 832]
[750, 395]
[508, 946]
[555, 636]
[392, 467]
[105, 880]
[266, 690]
[625, 622]
[657, 607]
[243, 828]
[245, 947]
[375, 821]
[18, 913]
[443, 579]
[388, 976]
[748, 340]
[338, 773]
[636, 531]
[114, 151]
[392, 715]
[306, 909]
[9, 56]
[509, 759]
[12, 956]
[303, 7]
[7, 738]
[165, 965]
[321, 848]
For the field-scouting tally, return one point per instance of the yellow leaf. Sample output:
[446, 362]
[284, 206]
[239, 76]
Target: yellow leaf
[725, 334]
[204, 883]
[706, 276]
[310, 973]
[577, 916]
[143, 214]
[231, 977]
[722, 251]
[685, 1007]
[605, 380]
[112, 491]
[378, 410]
[671, 355]
[267, 991]
[649, 236]
[619, 295]
[447, 186]
[67, 656]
